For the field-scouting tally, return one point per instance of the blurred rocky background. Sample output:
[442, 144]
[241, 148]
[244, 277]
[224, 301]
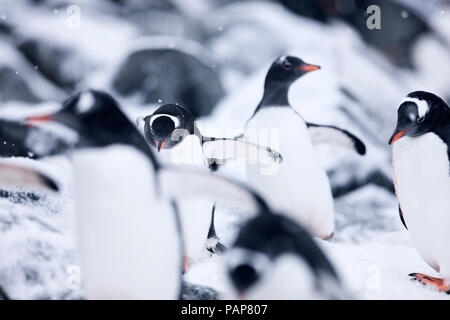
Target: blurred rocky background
[211, 56]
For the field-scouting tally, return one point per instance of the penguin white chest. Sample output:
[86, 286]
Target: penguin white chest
[187, 152]
[128, 242]
[421, 173]
[298, 186]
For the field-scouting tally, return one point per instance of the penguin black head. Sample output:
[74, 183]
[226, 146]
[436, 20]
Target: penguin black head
[98, 120]
[420, 113]
[286, 69]
[260, 244]
[283, 72]
[168, 126]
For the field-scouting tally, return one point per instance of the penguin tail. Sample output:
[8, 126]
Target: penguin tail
[214, 246]
[437, 283]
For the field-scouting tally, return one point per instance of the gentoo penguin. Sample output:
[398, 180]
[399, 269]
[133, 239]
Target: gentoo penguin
[125, 202]
[173, 131]
[420, 159]
[275, 258]
[172, 126]
[299, 185]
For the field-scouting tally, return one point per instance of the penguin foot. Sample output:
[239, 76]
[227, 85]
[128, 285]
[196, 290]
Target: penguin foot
[431, 281]
[328, 237]
[214, 246]
[186, 263]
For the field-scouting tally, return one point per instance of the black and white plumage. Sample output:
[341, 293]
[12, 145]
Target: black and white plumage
[173, 131]
[173, 125]
[299, 186]
[421, 167]
[275, 258]
[128, 236]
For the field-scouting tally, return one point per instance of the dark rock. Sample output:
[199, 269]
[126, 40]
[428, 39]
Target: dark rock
[14, 87]
[50, 61]
[376, 177]
[20, 140]
[169, 75]
[396, 36]
[191, 291]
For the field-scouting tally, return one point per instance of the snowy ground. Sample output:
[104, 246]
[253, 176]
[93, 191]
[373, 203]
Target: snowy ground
[357, 89]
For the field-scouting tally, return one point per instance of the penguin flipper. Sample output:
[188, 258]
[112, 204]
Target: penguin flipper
[226, 149]
[204, 185]
[13, 175]
[337, 136]
[400, 212]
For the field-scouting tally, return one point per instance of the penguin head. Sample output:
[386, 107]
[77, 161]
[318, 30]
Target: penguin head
[419, 113]
[95, 116]
[270, 251]
[168, 125]
[286, 69]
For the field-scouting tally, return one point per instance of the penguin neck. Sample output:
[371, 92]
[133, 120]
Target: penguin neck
[275, 94]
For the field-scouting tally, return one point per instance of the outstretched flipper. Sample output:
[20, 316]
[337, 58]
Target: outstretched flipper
[213, 243]
[12, 175]
[178, 182]
[334, 135]
[221, 150]
[437, 283]
[400, 212]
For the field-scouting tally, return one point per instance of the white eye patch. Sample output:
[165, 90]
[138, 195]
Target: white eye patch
[85, 102]
[422, 106]
[174, 119]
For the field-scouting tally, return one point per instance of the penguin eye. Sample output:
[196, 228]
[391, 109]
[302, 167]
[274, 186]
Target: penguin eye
[286, 65]
[174, 119]
[421, 119]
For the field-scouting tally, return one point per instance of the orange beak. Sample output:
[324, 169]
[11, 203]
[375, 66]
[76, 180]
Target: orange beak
[162, 145]
[31, 120]
[309, 67]
[398, 136]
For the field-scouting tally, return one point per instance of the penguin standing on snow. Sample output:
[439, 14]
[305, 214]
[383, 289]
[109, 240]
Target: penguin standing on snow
[173, 131]
[125, 201]
[300, 185]
[421, 168]
[275, 258]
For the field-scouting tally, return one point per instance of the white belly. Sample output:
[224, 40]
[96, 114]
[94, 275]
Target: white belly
[298, 186]
[187, 152]
[421, 172]
[128, 242]
[195, 214]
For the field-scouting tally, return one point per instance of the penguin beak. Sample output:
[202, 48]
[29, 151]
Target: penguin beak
[61, 117]
[309, 67]
[397, 135]
[31, 121]
[161, 146]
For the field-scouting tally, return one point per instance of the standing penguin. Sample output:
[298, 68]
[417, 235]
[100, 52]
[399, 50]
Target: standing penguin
[275, 258]
[173, 131]
[420, 160]
[300, 185]
[125, 201]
